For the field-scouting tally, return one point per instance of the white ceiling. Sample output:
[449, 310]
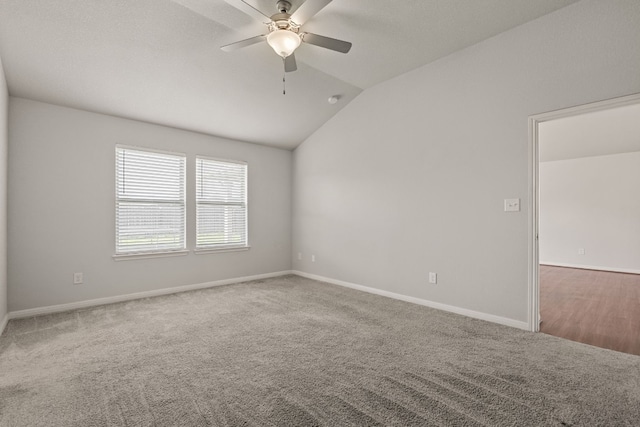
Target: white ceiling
[159, 60]
[600, 133]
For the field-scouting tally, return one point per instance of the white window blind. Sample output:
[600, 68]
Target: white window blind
[221, 204]
[150, 201]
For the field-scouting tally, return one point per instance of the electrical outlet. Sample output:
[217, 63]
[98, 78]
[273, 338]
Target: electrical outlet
[77, 278]
[580, 251]
[313, 258]
[299, 255]
[433, 278]
[512, 205]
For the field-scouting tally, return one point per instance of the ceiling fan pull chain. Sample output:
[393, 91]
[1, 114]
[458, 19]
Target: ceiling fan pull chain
[284, 74]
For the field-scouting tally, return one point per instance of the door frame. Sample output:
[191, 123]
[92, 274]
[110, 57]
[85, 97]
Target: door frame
[533, 315]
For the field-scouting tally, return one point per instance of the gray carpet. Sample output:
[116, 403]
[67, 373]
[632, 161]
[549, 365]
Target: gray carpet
[294, 352]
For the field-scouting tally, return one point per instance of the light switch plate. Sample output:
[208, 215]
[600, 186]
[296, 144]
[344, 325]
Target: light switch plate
[512, 205]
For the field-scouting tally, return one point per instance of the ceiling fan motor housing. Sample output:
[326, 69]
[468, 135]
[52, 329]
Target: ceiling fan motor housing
[282, 21]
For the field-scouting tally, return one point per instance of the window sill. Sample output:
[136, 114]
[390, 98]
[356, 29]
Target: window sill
[145, 255]
[204, 251]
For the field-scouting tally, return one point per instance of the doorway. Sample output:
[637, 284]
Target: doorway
[576, 252]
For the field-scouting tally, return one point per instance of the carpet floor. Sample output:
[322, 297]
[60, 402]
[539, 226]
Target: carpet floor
[290, 351]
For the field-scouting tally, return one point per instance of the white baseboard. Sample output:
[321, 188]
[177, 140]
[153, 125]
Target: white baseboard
[3, 323]
[444, 307]
[591, 267]
[138, 295]
[157, 292]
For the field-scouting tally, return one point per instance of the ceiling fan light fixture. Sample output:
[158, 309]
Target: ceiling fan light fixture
[283, 42]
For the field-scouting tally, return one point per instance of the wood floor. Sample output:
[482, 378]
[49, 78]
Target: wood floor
[593, 307]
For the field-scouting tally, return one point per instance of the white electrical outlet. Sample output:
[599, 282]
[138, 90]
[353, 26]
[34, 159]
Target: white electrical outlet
[77, 278]
[512, 205]
[433, 278]
[299, 255]
[580, 251]
[313, 258]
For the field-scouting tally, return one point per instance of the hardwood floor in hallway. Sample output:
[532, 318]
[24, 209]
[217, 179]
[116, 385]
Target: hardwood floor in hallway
[600, 308]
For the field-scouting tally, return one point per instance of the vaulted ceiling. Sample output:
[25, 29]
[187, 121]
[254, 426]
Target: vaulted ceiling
[159, 60]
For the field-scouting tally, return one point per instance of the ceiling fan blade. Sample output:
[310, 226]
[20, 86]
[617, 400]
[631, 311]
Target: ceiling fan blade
[307, 10]
[290, 63]
[249, 10]
[242, 43]
[327, 42]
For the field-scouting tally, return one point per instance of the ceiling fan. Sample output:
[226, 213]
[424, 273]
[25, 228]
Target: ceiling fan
[284, 33]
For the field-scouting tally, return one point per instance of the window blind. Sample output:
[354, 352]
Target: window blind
[221, 204]
[150, 201]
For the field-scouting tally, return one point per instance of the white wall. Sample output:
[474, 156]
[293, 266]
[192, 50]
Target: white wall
[411, 176]
[591, 203]
[62, 213]
[4, 111]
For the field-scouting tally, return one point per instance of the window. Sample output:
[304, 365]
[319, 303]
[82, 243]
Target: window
[150, 201]
[221, 204]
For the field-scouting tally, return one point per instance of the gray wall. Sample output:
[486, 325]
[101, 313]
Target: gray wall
[4, 104]
[411, 176]
[591, 203]
[61, 207]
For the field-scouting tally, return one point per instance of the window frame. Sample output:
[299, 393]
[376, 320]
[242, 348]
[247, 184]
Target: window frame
[230, 247]
[117, 199]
